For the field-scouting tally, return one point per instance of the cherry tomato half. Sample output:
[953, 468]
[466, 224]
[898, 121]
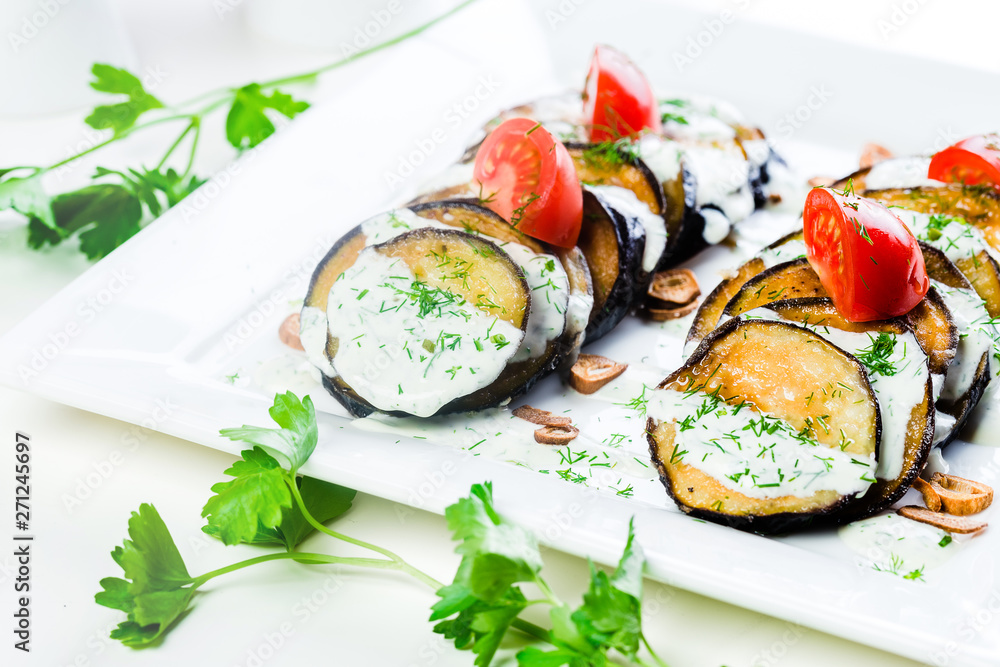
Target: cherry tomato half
[972, 161]
[866, 258]
[617, 99]
[529, 179]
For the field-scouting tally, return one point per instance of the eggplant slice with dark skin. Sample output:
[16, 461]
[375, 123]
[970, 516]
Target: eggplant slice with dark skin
[931, 320]
[774, 367]
[712, 308]
[490, 271]
[944, 271]
[819, 314]
[612, 244]
[519, 376]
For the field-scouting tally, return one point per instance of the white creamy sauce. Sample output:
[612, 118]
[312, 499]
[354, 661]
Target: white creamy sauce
[937, 384]
[387, 226]
[701, 126]
[578, 313]
[313, 335]
[897, 393]
[786, 252]
[545, 275]
[415, 359]
[758, 455]
[625, 201]
[984, 423]
[953, 236]
[662, 156]
[695, 104]
[969, 313]
[935, 463]
[285, 372]
[943, 425]
[549, 287]
[905, 172]
[722, 178]
[717, 225]
[604, 456]
[896, 545]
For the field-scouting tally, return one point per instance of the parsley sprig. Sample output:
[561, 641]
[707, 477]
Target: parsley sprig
[485, 599]
[266, 503]
[120, 202]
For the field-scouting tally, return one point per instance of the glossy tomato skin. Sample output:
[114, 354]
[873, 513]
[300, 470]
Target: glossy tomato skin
[972, 161]
[866, 257]
[528, 179]
[618, 100]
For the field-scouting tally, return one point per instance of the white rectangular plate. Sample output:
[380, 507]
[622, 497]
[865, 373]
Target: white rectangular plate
[199, 296]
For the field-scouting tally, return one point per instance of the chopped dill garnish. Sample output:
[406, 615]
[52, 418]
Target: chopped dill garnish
[876, 357]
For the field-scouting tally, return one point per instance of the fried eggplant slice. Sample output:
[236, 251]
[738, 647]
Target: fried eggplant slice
[555, 325]
[746, 391]
[613, 247]
[899, 374]
[420, 322]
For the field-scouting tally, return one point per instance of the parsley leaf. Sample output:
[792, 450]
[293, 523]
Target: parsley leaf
[609, 618]
[495, 553]
[480, 625]
[26, 196]
[323, 500]
[158, 591]
[108, 215]
[247, 125]
[122, 116]
[174, 186]
[145, 184]
[294, 441]
[535, 657]
[255, 500]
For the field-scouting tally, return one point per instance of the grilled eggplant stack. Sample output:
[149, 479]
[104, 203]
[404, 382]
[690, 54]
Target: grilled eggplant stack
[441, 308]
[925, 377]
[707, 170]
[962, 223]
[950, 324]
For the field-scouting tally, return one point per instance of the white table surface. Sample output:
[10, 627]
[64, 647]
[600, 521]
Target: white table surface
[357, 618]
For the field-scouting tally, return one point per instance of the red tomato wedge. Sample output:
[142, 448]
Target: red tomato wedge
[866, 257]
[617, 99]
[972, 161]
[529, 179]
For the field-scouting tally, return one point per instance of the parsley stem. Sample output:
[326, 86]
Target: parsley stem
[229, 94]
[293, 555]
[177, 142]
[194, 146]
[309, 76]
[114, 138]
[547, 592]
[645, 642]
[400, 564]
[529, 628]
